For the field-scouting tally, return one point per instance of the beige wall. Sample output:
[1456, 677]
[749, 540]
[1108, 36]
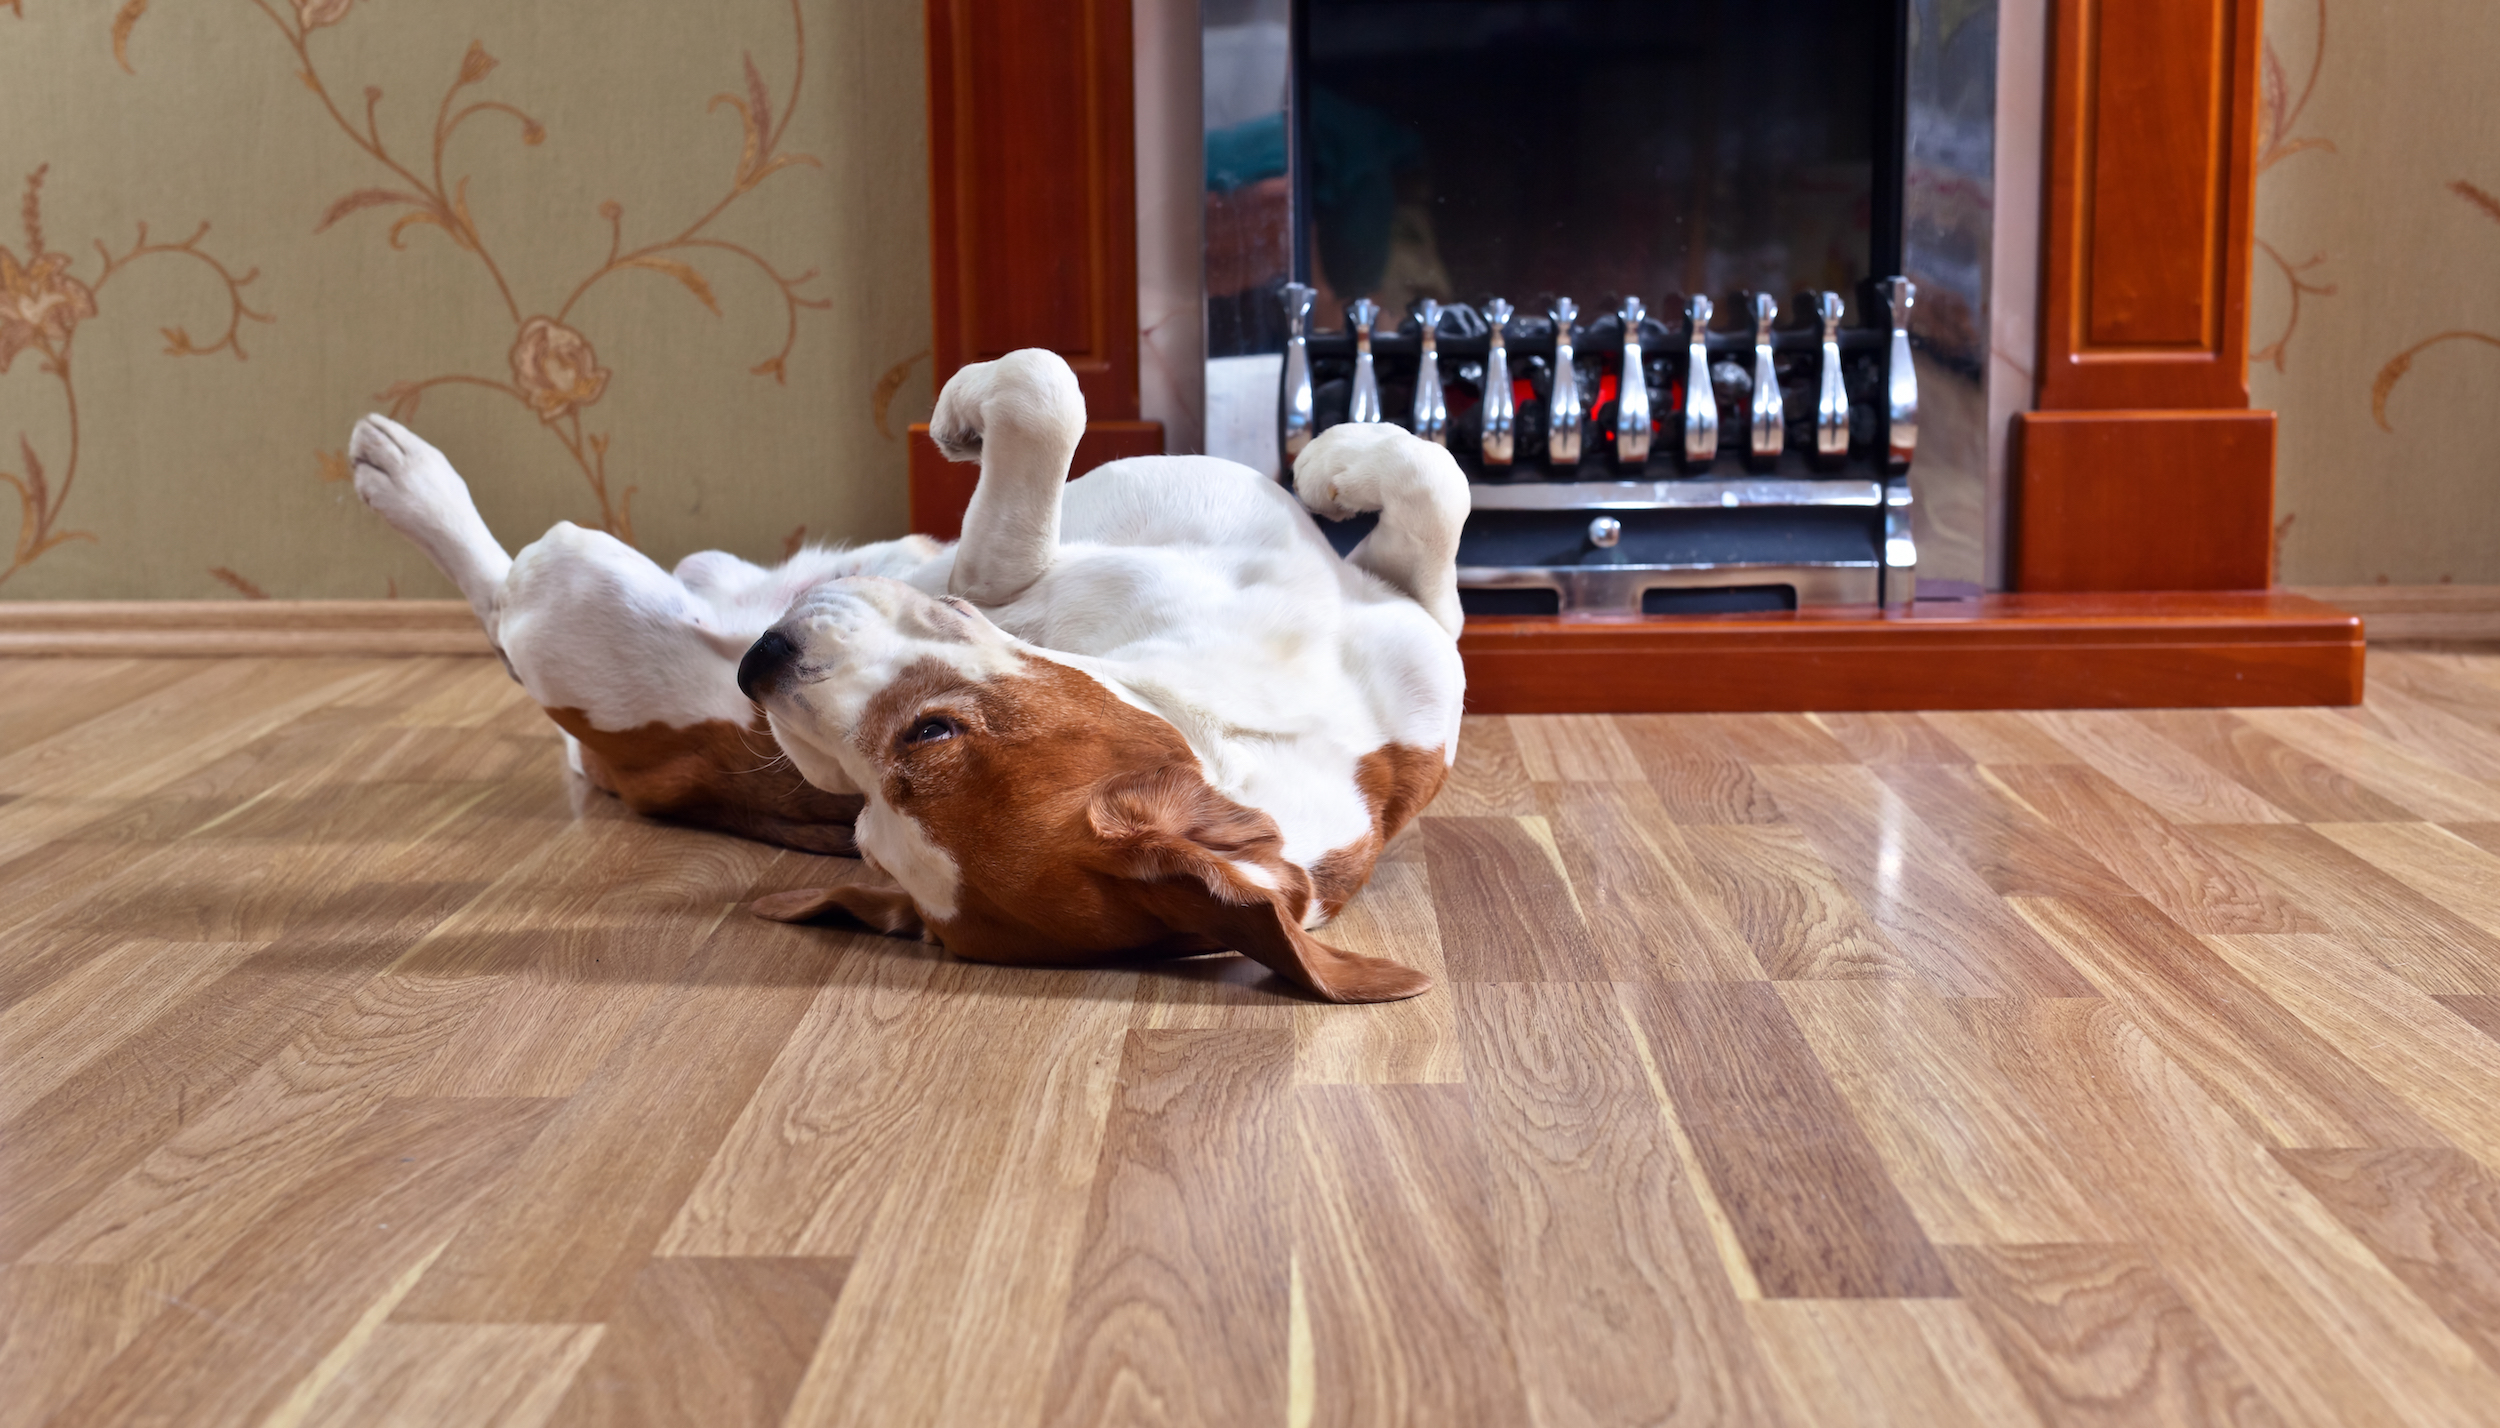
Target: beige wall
[2378, 224]
[2378, 212]
[345, 274]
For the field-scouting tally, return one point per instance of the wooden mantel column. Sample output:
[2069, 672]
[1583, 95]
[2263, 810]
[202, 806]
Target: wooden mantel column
[1032, 216]
[2144, 469]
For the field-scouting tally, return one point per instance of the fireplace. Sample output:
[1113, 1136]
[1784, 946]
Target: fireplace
[2088, 496]
[1473, 218]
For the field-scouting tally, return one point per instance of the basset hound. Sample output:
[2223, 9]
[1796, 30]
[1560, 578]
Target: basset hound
[1149, 712]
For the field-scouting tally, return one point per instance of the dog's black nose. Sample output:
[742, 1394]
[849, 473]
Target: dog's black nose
[766, 661]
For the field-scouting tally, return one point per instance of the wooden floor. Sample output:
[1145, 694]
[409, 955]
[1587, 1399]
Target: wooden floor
[1943, 1069]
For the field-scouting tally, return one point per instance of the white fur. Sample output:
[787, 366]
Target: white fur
[1191, 587]
[585, 621]
[895, 844]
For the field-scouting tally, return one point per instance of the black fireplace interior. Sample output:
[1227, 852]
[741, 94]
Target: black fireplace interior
[1459, 151]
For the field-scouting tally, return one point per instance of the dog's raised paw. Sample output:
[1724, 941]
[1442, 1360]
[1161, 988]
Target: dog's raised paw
[1030, 393]
[402, 476]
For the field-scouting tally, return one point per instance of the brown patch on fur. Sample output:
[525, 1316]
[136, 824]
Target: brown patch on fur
[1085, 832]
[1397, 781]
[715, 775]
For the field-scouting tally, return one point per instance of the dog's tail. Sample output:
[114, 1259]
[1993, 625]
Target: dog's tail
[1421, 496]
[414, 487]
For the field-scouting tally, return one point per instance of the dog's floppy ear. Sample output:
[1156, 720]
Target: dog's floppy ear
[886, 910]
[1205, 865]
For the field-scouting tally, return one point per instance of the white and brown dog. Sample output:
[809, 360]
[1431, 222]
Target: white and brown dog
[1148, 712]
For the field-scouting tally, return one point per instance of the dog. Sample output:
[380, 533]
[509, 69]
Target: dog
[1149, 712]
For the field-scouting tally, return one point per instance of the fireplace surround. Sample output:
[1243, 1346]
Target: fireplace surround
[2084, 445]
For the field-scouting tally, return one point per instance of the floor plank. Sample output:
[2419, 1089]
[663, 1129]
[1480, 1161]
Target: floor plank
[1804, 1189]
[1393, 1250]
[1617, 1306]
[1504, 904]
[705, 1342]
[2096, 1335]
[335, 1258]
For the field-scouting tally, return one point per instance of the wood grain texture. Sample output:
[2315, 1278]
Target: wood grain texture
[489, 1375]
[2171, 781]
[2088, 485]
[629, 1146]
[1178, 1305]
[1032, 191]
[1504, 905]
[1793, 1170]
[2427, 943]
[1881, 1363]
[2435, 1063]
[2100, 650]
[1699, 775]
[2194, 884]
[2096, 1335]
[1410, 1041]
[702, 1342]
[228, 629]
[2228, 1224]
[247, 1334]
[1786, 1068]
[1627, 865]
[1394, 1248]
[1942, 919]
[2285, 1084]
[1617, 1304]
[1960, 1145]
[2148, 190]
[1786, 904]
[2431, 1216]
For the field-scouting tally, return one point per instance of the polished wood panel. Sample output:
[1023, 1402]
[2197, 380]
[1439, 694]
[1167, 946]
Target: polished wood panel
[2143, 500]
[358, 1067]
[2112, 650]
[2149, 187]
[1033, 189]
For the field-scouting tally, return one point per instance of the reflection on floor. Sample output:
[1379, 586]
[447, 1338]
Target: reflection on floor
[1907, 1069]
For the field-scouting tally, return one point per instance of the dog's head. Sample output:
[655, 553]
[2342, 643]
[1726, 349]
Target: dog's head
[1028, 812]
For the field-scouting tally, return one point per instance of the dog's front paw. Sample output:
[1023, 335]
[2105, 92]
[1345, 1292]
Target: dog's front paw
[1028, 394]
[400, 475]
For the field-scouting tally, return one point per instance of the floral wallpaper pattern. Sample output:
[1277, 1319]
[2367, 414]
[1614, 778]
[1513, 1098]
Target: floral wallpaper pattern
[765, 158]
[2374, 308]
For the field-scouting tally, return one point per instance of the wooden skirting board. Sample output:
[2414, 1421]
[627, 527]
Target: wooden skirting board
[1996, 652]
[2463, 613]
[240, 627]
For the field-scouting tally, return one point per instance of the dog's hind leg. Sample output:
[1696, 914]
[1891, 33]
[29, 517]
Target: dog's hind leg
[1421, 496]
[415, 489]
[1021, 417]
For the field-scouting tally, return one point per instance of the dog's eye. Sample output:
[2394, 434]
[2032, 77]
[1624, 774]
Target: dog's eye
[931, 729]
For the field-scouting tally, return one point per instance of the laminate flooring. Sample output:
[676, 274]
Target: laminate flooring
[357, 1067]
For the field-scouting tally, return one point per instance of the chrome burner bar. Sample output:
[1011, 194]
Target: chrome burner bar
[1688, 494]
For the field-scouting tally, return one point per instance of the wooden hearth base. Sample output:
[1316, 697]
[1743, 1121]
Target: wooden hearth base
[1996, 652]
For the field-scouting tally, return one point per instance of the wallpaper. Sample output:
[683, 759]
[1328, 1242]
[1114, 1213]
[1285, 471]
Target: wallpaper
[2375, 311]
[662, 268]
[655, 268]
